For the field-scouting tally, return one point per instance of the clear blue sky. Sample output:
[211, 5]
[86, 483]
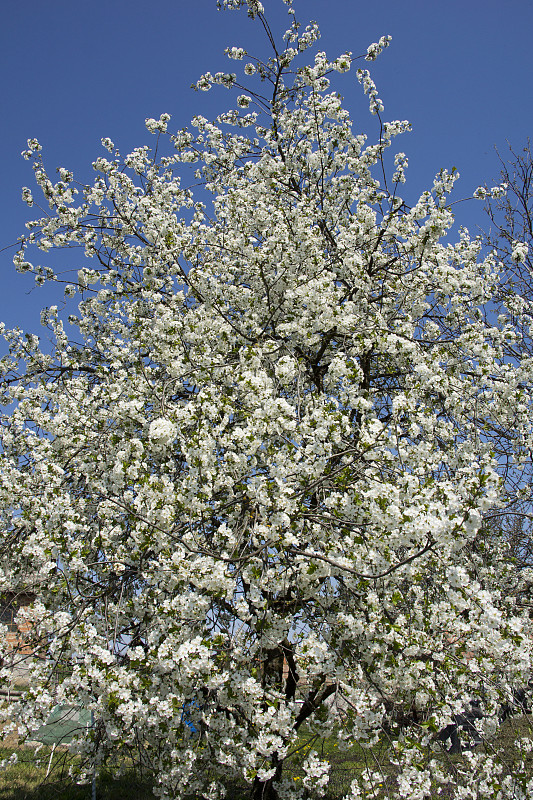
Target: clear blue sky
[73, 72]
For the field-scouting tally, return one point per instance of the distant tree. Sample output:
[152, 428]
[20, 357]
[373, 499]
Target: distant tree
[248, 479]
[510, 237]
[511, 230]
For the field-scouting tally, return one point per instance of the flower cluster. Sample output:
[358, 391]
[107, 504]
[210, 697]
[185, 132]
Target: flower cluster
[152, 125]
[483, 192]
[236, 53]
[162, 431]
[519, 251]
[369, 87]
[375, 49]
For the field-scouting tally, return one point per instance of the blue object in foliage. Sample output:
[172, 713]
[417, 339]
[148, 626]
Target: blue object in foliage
[185, 716]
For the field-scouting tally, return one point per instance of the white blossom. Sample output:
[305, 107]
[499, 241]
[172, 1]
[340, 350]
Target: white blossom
[270, 441]
[375, 49]
[162, 431]
[519, 251]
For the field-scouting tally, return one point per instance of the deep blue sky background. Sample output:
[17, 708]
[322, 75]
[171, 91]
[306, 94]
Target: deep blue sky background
[73, 72]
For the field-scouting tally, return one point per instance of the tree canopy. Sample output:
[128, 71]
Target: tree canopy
[247, 479]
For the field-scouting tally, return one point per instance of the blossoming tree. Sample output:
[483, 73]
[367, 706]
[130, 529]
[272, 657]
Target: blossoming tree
[247, 480]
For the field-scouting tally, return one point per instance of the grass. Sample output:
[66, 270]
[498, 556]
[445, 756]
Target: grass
[45, 776]
[28, 779]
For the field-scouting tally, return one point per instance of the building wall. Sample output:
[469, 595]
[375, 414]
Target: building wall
[20, 652]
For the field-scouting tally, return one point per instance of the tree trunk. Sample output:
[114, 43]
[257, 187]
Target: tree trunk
[266, 790]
